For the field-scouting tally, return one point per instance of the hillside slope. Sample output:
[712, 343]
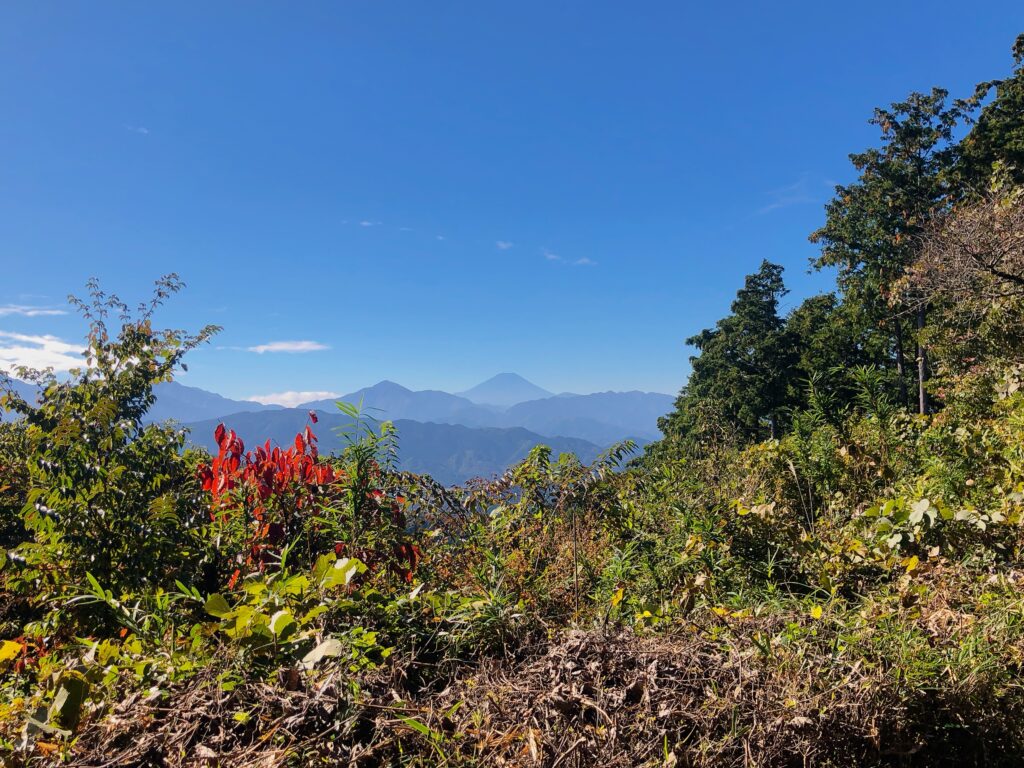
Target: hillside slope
[184, 404]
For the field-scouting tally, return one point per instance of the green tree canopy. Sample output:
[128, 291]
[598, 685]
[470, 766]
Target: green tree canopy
[873, 226]
[744, 364]
[998, 135]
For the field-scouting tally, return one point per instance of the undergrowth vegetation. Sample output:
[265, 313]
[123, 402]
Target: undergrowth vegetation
[814, 567]
[847, 591]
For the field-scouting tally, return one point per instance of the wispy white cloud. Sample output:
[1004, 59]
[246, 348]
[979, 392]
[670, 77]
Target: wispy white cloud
[38, 352]
[549, 255]
[138, 129]
[29, 311]
[584, 262]
[368, 223]
[289, 346]
[441, 237]
[797, 193]
[291, 398]
[504, 245]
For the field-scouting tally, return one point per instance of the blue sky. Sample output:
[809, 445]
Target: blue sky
[433, 193]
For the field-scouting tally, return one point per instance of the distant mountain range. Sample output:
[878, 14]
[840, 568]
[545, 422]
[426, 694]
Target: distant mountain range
[450, 453]
[452, 436]
[387, 400]
[601, 418]
[185, 404]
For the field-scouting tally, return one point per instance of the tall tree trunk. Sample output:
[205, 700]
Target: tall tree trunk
[773, 426]
[922, 365]
[900, 371]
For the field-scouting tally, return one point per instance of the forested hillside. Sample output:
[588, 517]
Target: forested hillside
[817, 565]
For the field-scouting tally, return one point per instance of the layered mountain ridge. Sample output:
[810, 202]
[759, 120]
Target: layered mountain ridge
[479, 432]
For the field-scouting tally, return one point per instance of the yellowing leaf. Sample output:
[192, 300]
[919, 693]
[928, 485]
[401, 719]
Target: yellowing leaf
[911, 563]
[328, 648]
[617, 597]
[816, 612]
[9, 650]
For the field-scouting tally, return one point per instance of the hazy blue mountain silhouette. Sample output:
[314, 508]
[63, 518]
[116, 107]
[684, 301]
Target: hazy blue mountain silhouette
[391, 401]
[505, 389]
[602, 417]
[185, 404]
[450, 453]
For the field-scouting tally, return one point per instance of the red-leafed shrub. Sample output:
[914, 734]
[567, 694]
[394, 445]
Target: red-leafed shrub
[273, 502]
[270, 497]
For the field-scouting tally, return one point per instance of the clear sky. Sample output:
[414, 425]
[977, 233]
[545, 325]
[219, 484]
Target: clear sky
[437, 192]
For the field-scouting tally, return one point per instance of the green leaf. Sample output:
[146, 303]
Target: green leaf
[66, 709]
[95, 585]
[217, 606]
[323, 564]
[342, 572]
[282, 623]
[421, 728]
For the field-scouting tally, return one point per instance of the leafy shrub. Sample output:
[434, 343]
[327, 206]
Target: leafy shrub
[108, 494]
[264, 500]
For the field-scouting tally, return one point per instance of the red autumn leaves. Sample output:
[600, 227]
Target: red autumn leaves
[270, 488]
[265, 475]
[276, 492]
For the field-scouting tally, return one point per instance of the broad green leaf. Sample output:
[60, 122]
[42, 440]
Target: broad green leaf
[217, 606]
[323, 564]
[66, 709]
[282, 623]
[342, 572]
